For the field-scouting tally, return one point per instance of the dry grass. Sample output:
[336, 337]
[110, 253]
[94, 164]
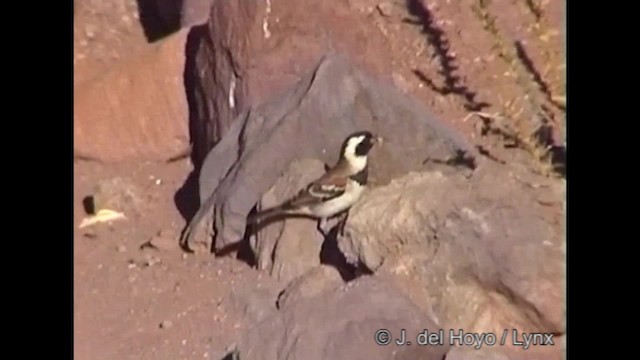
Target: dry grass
[553, 74]
[525, 122]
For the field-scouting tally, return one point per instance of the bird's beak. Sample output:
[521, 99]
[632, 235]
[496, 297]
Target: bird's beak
[378, 139]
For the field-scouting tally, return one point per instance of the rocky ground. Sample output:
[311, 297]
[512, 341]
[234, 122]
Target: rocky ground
[137, 294]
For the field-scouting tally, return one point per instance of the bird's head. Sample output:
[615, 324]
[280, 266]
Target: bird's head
[356, 148]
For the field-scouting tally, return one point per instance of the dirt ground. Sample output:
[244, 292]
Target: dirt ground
[133, 302]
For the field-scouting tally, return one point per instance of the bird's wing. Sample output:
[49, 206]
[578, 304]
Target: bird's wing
[327, 187]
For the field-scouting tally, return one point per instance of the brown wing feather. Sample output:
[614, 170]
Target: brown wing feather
[301, 199]
[326, 187]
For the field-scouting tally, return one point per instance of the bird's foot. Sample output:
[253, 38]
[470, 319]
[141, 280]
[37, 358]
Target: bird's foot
[343, 222]
[323, 227]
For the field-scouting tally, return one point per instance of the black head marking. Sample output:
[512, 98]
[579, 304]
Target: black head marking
[364, 146]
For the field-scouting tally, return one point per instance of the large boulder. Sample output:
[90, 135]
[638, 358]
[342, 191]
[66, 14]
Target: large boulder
[248, 51]
[483, 254]
[290, 247]
[359, 320]
[311, 120]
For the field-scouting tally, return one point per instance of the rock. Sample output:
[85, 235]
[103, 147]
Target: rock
[542, 350]
[194, 12]
[118, 194]
[312, 121]
[320, 279]
[254, 304]
[163, 241]
[279, 44]
[167, 324]
[289, 247]
[479, 254]
[137, 110]
[341, 324]
[150, 260]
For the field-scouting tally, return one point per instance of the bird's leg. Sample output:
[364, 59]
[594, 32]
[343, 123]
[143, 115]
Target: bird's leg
[343, 222]
[322, 227]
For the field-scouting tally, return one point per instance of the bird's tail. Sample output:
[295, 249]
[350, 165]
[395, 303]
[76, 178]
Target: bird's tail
[266, 213]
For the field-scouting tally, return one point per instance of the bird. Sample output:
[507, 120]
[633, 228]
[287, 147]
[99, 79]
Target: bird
[336, 191]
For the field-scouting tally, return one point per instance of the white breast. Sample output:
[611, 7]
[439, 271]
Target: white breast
[337, 205]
